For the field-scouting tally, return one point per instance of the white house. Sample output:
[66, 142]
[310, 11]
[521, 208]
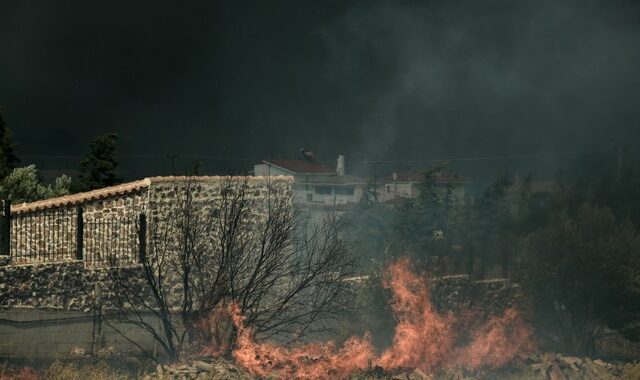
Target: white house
[399, 186]
[316, 184]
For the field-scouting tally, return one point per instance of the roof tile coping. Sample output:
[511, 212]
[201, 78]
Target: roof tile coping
[125, 188]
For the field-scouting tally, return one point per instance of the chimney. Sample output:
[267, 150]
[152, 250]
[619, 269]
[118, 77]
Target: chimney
[340, 166]
[395, 176]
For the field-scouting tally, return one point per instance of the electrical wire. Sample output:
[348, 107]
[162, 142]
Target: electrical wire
[399, 161]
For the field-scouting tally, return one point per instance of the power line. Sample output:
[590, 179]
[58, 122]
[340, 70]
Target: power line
[431, 160]
[484, 158]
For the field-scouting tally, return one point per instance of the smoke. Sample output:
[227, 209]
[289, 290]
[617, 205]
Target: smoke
[423, 338]
[468, 79]
[400, 80]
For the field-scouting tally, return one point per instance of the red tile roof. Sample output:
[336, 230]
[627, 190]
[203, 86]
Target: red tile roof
[301, 167]
[124, 188]
[74, 199]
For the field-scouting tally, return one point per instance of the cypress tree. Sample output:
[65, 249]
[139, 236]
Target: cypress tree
[8, 158]
[98, 168]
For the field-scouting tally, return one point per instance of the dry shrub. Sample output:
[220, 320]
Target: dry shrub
[26, 373]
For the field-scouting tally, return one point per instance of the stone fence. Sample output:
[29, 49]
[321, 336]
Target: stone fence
[57, 257]
[104, 226]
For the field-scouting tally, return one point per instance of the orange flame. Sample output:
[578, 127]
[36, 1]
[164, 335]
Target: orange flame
[497, 342]
[423, 339]
[313, 361]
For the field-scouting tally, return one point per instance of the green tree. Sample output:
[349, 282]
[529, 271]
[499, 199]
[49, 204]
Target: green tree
[426, 223]
[98, 168]
[486, 227]
[581, 274]
[23, 185]
[8, 158]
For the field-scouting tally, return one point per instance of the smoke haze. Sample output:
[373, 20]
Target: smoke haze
[394, 80]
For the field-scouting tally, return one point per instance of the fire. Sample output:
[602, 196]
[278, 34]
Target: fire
[313, 361]
[423, 338]
[497, 342]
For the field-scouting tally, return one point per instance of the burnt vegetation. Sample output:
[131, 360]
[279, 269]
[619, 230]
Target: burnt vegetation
[574, 249]
[286, 277]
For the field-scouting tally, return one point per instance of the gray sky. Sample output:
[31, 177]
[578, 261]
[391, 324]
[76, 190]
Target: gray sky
[375, 80]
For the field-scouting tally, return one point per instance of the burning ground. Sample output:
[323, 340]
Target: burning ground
[424, 339]
[427, 344]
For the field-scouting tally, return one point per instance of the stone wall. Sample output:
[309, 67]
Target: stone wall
[167, 197]
[111, 218]
[462, 293]
[59, 286]
[47, 310]
[49, 300]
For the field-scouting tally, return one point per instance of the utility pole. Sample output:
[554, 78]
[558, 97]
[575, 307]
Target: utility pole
[620, 149]
[173, 157]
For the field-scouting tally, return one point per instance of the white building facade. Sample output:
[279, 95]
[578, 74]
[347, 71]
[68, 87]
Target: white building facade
[316, 184]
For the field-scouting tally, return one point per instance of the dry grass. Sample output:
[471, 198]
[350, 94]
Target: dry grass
[69, 370]
[103, 370]
[631, 371]
[8, 373]
[61, 370]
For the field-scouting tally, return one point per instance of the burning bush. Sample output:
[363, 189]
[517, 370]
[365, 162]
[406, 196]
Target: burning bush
[423, 338]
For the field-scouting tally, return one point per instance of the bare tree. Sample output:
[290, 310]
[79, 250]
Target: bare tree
[247, 246]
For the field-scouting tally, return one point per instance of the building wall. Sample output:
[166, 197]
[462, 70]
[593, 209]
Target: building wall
[394, 190]
[317, 193]
[265, 170]
[307, 187]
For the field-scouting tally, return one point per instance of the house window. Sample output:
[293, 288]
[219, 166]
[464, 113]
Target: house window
[323, 190]
[309, 197]
[388, 189]
[343, 190]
